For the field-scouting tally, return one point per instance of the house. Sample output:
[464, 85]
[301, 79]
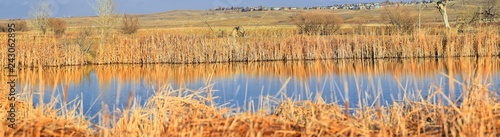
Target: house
[357, 6]
[377, 6]
[361, 7]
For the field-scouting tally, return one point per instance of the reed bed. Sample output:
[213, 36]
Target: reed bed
[185, 112]
[260, 44]
[172, 48]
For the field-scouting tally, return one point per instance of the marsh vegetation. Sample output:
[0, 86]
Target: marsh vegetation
[282, 73]
[353, 97]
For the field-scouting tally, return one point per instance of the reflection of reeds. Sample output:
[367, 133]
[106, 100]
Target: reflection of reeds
[414, 67]
[180, 74]
[53, 76]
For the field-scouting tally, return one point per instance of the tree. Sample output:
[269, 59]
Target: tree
[402, 19]
[106, 10]
[317, 23]
[20, 26]
[130, 24]
[387, 1]
[39, 16]
[490, 11]
[420, 15]
[441, 5]
[58, 26]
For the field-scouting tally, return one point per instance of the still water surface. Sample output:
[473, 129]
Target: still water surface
[237, 84]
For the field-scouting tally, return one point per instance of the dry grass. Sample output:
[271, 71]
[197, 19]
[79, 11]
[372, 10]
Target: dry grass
[206, 37]
[317, 23]
[260, 44]
[184, 112]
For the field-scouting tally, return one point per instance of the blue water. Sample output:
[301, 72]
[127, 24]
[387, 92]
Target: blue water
[376, 82]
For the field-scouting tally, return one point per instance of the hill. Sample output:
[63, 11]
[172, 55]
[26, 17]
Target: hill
[458, 10]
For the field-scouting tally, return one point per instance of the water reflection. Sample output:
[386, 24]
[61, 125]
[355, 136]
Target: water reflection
[239, 83]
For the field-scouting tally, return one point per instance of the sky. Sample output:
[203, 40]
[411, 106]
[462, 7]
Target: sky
[15, 9]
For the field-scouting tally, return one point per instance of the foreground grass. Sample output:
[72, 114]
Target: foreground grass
[184, 112]
[190, 114]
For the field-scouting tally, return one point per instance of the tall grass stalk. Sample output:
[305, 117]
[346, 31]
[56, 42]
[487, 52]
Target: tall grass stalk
[198, 46]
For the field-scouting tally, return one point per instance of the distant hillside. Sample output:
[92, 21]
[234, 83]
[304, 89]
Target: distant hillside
[200, 18]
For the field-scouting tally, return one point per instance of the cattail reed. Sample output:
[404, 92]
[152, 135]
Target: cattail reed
[200, 46]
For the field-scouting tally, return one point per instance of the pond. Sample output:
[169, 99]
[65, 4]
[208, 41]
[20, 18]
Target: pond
[237, 84]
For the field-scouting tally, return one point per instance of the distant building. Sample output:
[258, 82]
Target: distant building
[357, 6]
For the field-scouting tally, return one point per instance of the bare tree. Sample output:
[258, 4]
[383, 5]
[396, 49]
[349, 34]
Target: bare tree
[39, 16]
[106, 10]
[485, 12]
[490, 11]
[420, 8]
[58, 26]
[130, 24]
[317, 23]
[441, 5]
[402, 19]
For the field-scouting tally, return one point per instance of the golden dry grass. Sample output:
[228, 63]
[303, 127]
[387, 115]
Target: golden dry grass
[190, 115]
[261, 44]
[185, 37]
[184, 112]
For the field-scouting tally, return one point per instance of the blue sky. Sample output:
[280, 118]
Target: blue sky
[64, 8]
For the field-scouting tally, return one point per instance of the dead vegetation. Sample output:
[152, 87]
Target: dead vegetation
[185, 112]
[20, 26]
[57, 26]
[204, 46]
[130, 24]
[402, 20]
[317, 23]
